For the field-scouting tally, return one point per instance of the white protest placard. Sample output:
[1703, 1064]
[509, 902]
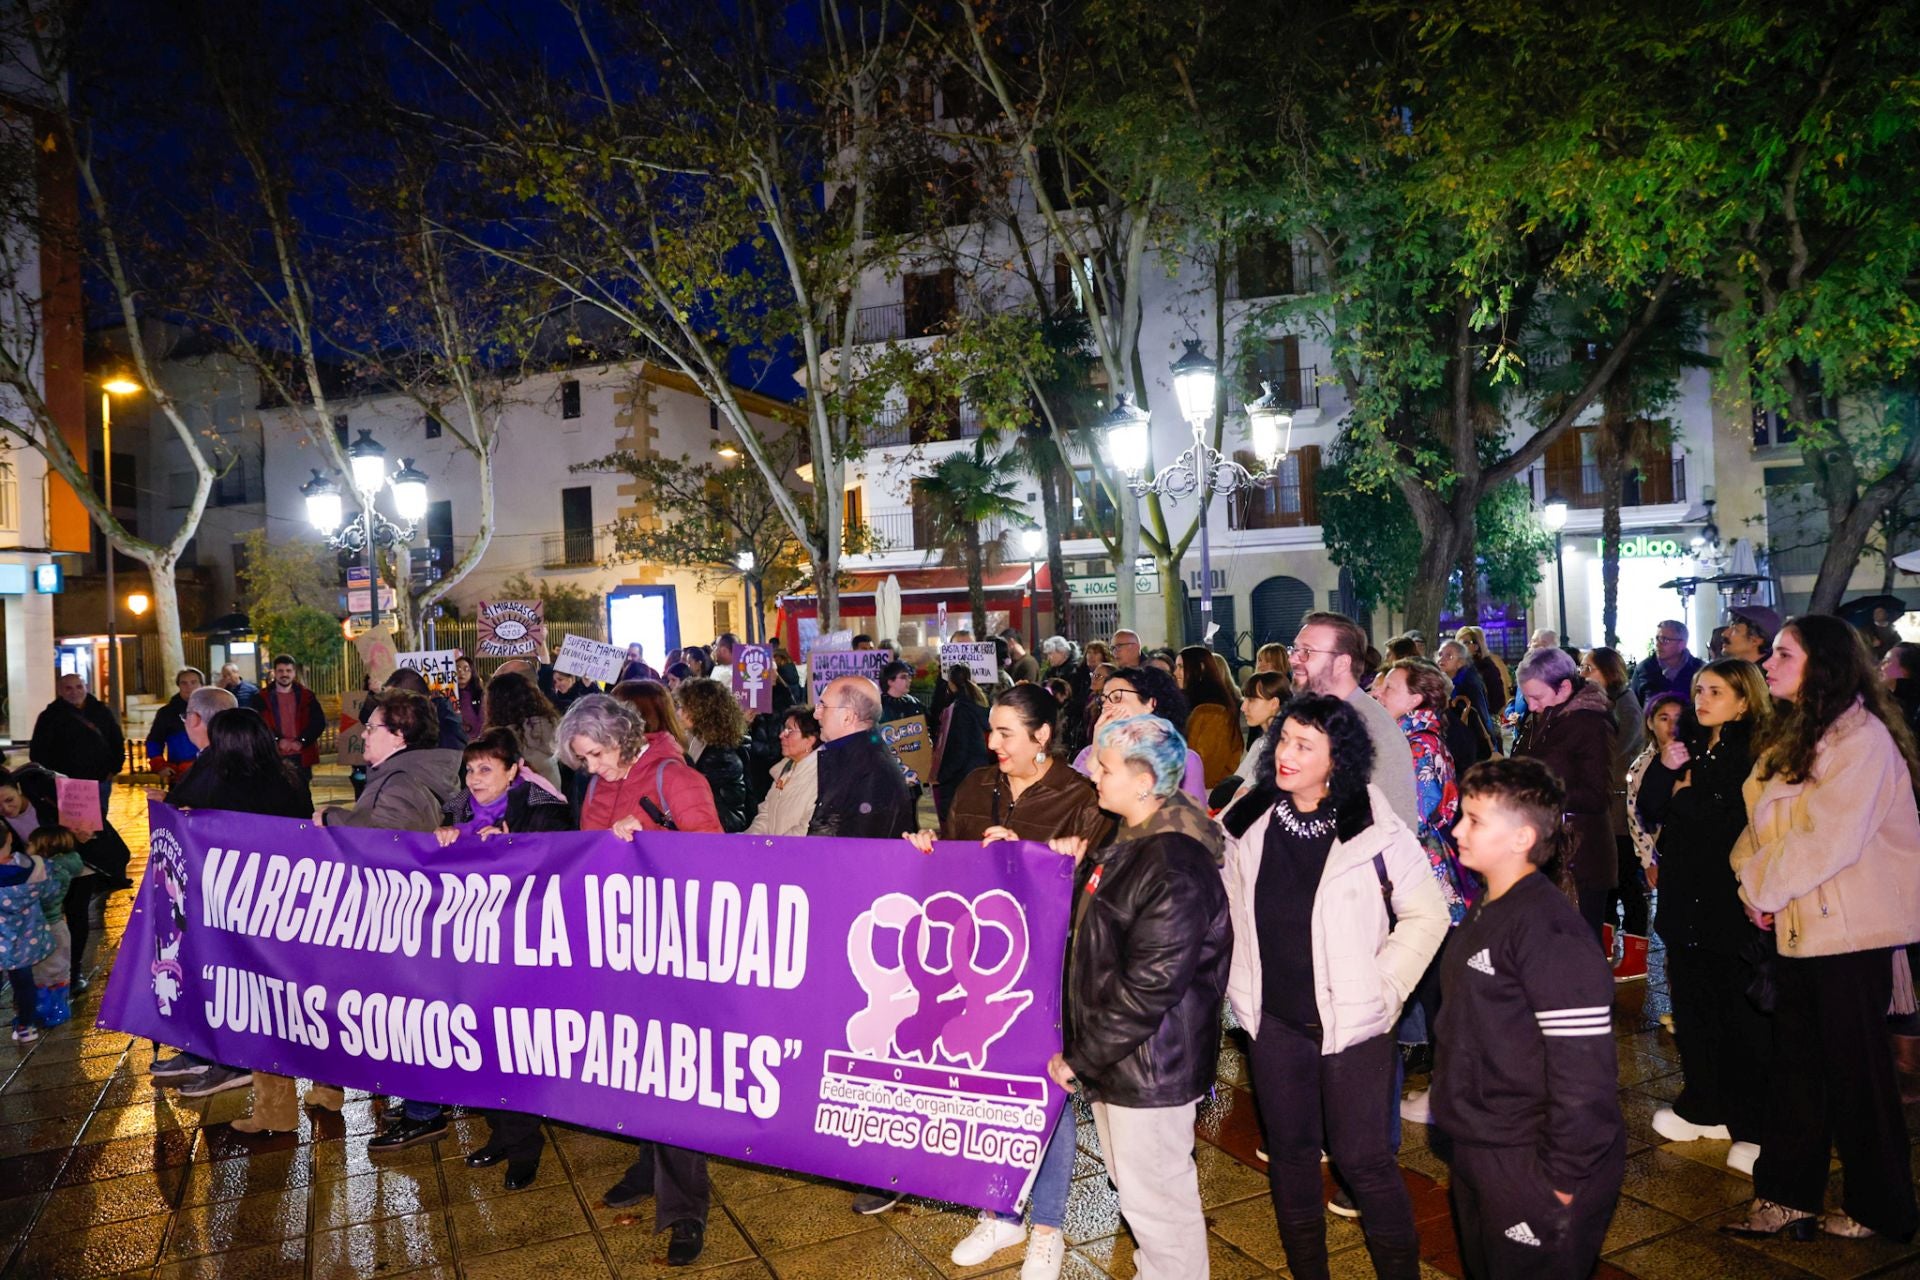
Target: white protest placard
[590, 659]
[833, 664]
[434, 665]
[981, 657]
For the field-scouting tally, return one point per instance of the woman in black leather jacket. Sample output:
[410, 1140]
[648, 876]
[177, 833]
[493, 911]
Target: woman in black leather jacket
[716, 743]
[1145, 974]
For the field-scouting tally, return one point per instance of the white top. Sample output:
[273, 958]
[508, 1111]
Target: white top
[788, 808]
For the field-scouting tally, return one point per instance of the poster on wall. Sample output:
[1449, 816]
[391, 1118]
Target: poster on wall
[510, 628]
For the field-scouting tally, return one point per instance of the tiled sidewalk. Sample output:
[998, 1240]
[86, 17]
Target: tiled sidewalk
[102, 1174]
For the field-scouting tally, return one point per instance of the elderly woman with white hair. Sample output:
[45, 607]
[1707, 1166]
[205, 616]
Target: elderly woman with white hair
[1570, 729]
[1145, 976]
[1060, 658]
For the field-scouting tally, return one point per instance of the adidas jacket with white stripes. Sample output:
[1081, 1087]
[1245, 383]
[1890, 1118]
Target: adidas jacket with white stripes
[1524, 1044]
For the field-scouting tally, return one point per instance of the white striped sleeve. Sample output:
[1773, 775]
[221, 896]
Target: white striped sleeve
[1593, 1020]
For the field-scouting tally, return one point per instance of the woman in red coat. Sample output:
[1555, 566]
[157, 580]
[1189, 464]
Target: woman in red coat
[628, 780]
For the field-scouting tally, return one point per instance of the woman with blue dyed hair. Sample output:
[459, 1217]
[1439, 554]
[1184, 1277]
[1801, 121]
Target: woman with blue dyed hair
[1147, 969]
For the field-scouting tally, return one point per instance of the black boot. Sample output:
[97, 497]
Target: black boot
[689, 1238]
[521, 1173]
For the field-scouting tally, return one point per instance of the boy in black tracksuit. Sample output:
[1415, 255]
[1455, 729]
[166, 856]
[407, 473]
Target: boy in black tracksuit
[1525, 1085]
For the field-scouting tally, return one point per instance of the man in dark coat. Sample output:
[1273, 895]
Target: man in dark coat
[244, 691]
[79, 736]
[1669, 668]
[293, 713]
[863, 791]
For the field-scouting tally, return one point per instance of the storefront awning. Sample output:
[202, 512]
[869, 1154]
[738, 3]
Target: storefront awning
[921, 590]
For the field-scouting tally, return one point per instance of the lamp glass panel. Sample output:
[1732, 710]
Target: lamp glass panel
[323, 509]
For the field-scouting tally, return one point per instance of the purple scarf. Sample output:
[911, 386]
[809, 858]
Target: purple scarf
[486, 815]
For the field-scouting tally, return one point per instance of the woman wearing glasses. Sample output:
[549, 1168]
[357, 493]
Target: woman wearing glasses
[1146, 691]
[788, 807]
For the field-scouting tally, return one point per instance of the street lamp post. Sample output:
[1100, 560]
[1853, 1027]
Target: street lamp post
[1201, 469]
[367, 532]
[115, 385]
[746, 562]
[1033, 542]
[1554, 516]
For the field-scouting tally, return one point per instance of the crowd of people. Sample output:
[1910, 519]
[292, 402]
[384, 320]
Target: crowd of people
[1376, 864]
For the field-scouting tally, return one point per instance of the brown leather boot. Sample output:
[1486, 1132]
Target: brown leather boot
[274, 1107]
[330, 1096]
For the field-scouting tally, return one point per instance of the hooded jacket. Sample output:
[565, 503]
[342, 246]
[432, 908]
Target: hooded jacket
[1836, 858]
[1146, 968]
[405, 792]
[1575, 740]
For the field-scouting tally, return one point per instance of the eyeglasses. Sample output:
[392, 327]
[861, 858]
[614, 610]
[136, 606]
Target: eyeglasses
[1114, 697]
[377, 724]
[1298, 649]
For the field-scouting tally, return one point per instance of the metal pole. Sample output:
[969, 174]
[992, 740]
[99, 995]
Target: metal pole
[373, 561]
[113, 619]
[1560, 580]
[1033, 607]
[1206, 569]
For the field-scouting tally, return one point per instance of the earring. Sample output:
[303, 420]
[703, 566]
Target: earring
[1142, 796]
[1039, 758]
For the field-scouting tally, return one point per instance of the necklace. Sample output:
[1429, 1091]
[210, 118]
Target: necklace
[1305, 828]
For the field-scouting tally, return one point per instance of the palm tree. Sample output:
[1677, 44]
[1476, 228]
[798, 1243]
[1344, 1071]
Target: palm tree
[965, 492]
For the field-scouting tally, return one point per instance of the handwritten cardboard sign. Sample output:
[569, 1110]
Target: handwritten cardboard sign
[377, 652]
[980, 657]
[351, 740]
[833, 664]
[911, 744]
[434, 665]
[80, 805]
[590, 659]
[510, 628]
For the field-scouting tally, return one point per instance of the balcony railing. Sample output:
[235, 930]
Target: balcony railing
[1264, 276]
[898, 427]
[576, 548]
[894, 321]
[909, 530]
[1299, 383]
[1584, 489]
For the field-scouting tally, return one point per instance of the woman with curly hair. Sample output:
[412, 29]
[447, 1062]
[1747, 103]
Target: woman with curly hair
[1336, 915]
[1830, 862]
[1146, 691]
[515, 702]
[716, 743]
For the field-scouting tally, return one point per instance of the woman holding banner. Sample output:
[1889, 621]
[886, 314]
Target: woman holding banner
[633, 781]
[1028, 793]
[1145, 975]
[716, 743]
[501, 797]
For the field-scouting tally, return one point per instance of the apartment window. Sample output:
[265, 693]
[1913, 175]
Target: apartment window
[854, 504]
[126, 492]
[180, 490]
[722, 615]
[9, 497]
[1264, 268]
[430, 426]
[230, 486]
[576, 523]
[1655, 474]
[440, 535]
[570, 398]
[340, 429]
[1105, 517]
[929, 301]
[713, 416]
[1289, 501]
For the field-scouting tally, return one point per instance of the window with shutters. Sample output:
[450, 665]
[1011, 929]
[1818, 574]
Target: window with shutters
[1289, 501]
[570, 398]
[929, 301]
[1656, 474]
[853, 505]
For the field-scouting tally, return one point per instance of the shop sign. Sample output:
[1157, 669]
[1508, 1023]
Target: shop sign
[1642, 547]
[1107, 587]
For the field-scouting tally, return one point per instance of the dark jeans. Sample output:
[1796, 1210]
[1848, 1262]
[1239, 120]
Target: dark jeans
[681, 1192]
[515, 1133]
[1631, 896]
[79, 917]
[1593, 906]
[26, 1003]
[1834, 1085]
[1724, 1041]
[1312, 1102]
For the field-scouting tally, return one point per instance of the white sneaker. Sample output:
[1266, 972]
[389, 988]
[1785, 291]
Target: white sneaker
[988, 1237]
[1668, 1124]
[1417, 1107]
[1741, 1155]
[1046, 1254]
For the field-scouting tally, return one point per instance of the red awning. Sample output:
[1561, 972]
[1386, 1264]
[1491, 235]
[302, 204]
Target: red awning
[928, 586]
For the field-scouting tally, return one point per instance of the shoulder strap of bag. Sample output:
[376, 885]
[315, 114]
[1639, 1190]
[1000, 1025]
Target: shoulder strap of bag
[1386, 888]
[660, 787]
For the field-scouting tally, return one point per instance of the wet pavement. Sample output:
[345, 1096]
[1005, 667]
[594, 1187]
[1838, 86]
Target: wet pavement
[102, 1174]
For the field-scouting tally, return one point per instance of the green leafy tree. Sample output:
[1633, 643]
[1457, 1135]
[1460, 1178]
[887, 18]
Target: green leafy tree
[310, 635]
[965, 494]
[279, 577]
[562, 603]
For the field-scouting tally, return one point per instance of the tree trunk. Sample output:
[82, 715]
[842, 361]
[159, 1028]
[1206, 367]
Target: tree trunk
[1846, 542]
[1444, 539]
[166, 614]
[1056, 559]
[1123, 598]
[1173, 600]
[1613, 474]
[1469, 595]
[976, 585]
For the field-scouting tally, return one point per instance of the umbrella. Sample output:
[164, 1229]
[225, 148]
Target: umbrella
[1861, 610]
[1908, 563]
[886, 609]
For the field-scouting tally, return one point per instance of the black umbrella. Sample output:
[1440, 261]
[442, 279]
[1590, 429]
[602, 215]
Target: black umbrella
[1860, 611]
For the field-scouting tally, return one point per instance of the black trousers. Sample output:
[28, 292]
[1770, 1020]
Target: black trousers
[1631, 894]
[516, 1133]
[1511, 1225]
[1834, 1086]
[1593, 904]
[681, 1191]
[1725, 1043]
[1312, 1102]
[78, 913]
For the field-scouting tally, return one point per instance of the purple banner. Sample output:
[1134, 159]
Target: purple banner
[847, 1008]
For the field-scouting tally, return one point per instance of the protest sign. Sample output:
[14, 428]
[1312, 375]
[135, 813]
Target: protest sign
[590, 659]
[753, 678]
[832, 664]
[509, 628]
[912, 744]
[813, 640]
[377, 652]
[844, 1008]
[351, 738]
[434, 665]
[79, 803]
[981, 657]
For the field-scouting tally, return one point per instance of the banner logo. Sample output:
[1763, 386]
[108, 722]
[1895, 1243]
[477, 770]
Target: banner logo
[170, 880]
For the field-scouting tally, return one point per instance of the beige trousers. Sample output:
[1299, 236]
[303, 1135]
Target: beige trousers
[1149, 1153]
